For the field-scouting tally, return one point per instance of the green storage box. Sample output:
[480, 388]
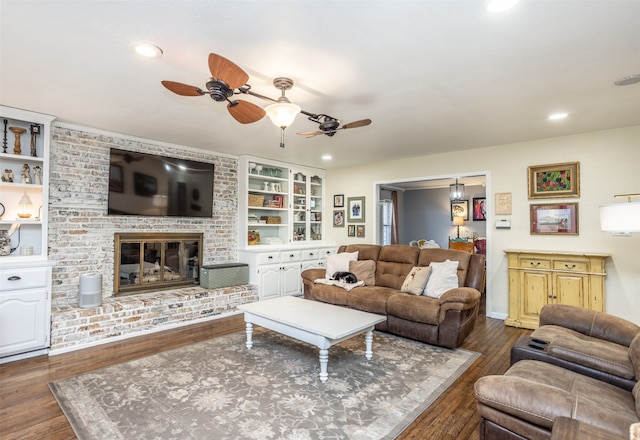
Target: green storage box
[224, 275]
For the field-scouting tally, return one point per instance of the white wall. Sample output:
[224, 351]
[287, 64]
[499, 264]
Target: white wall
[609, 164]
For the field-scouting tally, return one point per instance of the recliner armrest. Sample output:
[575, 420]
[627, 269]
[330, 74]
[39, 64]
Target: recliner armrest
[591, 323]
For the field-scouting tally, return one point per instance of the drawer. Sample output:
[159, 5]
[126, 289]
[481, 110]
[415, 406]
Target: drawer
[311, 254]
[15, 279]
[269, 258]
[573, 266]
[534, 263]
[287, 256]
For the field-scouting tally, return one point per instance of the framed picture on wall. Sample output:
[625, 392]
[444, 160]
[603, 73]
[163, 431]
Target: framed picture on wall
[555, 180]
[479, 209]
[355, 211]
[460, 208]
[338, 201]
[338, 218]
[554, 218]
[351, 231]
[360, 231]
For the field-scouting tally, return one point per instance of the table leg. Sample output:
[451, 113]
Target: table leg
[368, 338]
[324, 360]
[249, 328]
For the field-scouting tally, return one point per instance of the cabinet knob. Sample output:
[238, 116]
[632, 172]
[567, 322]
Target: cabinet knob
[270, 257]
[550, 296]
[311, 254]
[290, 255]
[573, 266]
[14, 278]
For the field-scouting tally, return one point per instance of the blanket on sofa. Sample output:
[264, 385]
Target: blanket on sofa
[345, 286]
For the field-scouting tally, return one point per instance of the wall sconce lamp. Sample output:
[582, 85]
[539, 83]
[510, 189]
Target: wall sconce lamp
[25, 203]
[456, 191]
[458, 221]
[621, 218]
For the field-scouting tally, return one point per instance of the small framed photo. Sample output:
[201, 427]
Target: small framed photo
[460, 209]
[555, 180]
[351, 231]
[355, 213]
[503, 203]
[360, 231]
[338, 218]
[479, 209]
[338, 201]
[554, 219]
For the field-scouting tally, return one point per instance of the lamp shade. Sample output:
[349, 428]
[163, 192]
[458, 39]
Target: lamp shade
[25, 200]
[282, 114]
[458, 221]
[620, 217]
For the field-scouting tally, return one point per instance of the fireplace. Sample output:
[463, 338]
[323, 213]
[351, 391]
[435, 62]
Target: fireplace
[156, 261]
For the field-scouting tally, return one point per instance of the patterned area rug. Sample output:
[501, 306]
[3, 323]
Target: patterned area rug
[217, 389]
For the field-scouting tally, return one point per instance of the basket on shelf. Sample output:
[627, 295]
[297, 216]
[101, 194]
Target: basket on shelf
[256, 200]
[273, 204]
[272, 220]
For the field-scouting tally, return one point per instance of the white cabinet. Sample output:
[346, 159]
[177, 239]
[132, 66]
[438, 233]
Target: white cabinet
[278, 272]
[308, 207]
[25, 310]
[24, 187]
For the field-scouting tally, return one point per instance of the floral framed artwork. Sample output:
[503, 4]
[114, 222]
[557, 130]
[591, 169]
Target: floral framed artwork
[338, 201]
[554, 219]
[338, 218]
[479, 209]
[554, 180]
[360, 231]
[355, 211]
[351, 231]
[460, 208]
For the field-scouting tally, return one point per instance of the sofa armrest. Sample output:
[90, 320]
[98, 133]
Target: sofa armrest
[313, 274]
[591, 323]
[467, 296]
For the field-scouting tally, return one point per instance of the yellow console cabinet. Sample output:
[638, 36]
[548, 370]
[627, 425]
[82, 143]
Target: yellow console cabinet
[537, 278]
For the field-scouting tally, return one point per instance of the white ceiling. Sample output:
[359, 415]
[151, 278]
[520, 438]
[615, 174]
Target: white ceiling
[434, 76]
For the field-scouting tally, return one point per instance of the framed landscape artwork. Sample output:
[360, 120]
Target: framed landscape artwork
[555, 180]
[554, 218]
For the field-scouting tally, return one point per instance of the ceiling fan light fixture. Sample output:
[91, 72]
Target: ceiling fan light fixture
[283, 113]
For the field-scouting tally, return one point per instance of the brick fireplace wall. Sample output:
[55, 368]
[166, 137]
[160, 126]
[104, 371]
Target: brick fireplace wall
[81, 234]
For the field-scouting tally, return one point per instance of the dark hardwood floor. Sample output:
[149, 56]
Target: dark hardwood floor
[29, 411]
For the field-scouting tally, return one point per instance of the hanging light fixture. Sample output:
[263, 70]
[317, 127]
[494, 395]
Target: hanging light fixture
[283, 113]
[456, 191]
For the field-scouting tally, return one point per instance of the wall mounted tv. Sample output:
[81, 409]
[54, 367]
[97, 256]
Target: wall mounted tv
[147, 184]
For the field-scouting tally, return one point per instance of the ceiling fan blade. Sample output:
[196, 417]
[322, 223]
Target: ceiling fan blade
[227, 71]
[182, 89]
[356, 124]
[310, 133]
[245, 112]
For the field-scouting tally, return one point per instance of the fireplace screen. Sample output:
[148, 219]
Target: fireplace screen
[155, 261]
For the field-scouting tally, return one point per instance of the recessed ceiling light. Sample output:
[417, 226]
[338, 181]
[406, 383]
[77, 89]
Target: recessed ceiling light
[500, 5]
[628, 80]
[558, 116]
[327, 157]
[147, 49]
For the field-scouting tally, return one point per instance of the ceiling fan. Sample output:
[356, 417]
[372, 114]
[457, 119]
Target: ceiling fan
[229, 79]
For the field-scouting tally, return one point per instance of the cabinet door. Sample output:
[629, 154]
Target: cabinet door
[571, 289]
[22, 321]
[536, 292]
[291, 279]
[268, 282]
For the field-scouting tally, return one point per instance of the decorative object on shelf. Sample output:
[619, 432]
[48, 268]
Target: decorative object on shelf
[37, 178]
[338, 219]
[25, 203]
[554, 218]
[258, 169]
[503, 203]
[17, 146]
[25, 173]
[460, 209]
[356, 209]
[456, 191]
[265, 186]
[351, 230]
[555, 180]
[256, 200]
[338, 201]
[7, 175]
[2, 210]
[252, 167]
[26, 251]
[35, 131]
[4, 137]
[479, 209]
[253, 237]
[5, 243]
[623, 218]
[457, 222]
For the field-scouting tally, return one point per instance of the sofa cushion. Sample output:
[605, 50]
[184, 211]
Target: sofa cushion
[365, 251]
[415, 280]
[371, 299]
[428, 256]
[394, 263]
[590, 352]
[339, 262]
[414, 308]
[634, 356]
[444, 277]
[364, 270]
[330, 294]
[538, 392]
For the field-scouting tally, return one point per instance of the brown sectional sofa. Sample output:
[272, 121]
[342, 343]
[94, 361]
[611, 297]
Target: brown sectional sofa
[445, 321]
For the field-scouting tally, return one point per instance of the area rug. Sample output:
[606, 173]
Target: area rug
[218, 389]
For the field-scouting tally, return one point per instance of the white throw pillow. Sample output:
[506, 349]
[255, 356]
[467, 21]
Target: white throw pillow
[339, 263]
[416, 280]
[444, 276]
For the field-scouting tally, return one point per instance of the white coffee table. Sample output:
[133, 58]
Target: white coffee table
[317, 323]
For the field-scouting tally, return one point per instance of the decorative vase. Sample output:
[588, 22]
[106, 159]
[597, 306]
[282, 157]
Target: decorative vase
[17, 146]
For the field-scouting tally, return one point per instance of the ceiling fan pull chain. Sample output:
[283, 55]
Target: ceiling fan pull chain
[281, 137]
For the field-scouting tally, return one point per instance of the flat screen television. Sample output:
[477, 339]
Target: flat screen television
[152, 185]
